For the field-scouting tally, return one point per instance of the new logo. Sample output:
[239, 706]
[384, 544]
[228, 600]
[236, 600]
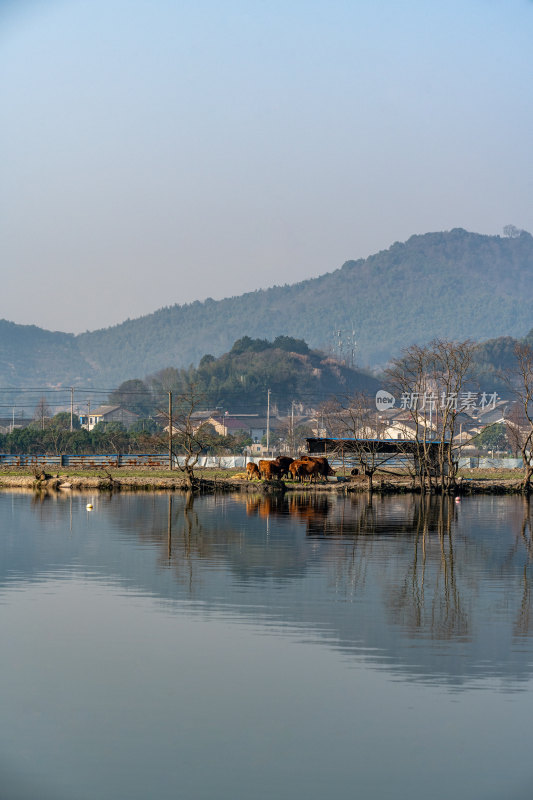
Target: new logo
[384, 400]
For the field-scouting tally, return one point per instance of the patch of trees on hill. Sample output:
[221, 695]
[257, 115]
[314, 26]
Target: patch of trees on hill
[494, 362]
[239, 380]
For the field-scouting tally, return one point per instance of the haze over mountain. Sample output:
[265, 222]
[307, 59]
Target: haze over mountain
[452, 284]
[165, 152]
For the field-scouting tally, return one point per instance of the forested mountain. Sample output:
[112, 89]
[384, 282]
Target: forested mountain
[454, 285]
[31, 356]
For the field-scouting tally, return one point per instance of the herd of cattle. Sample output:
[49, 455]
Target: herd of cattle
[300, 469]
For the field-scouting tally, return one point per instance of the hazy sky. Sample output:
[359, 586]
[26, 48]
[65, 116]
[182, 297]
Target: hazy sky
[158, 152]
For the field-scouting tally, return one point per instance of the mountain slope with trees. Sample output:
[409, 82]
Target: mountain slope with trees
[453, 284]
[238, 380]
[494, 362]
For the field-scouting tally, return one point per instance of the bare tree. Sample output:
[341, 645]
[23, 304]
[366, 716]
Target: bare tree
[293, 434]
[515, 425]
[42, 413]
[408, 378]
[430, 382]
[353, 417]
[520, 424]
[450, 364]
[188, 434]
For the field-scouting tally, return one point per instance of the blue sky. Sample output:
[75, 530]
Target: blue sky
[161, 152]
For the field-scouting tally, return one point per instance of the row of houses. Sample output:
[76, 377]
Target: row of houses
[105, 414]
[394, 424]
[225, 424]
[280, 429]
[399, 424]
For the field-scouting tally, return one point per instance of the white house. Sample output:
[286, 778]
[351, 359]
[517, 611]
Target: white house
[106, 414]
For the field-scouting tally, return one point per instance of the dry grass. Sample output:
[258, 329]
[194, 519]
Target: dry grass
[120, 472]
[492, 474]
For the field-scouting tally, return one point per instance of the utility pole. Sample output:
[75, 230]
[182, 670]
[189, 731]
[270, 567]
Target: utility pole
[71, 409]
[292, 426]
[170, 430]
[89, 415]
[268, 420]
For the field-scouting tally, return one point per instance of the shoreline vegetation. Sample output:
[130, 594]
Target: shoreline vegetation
[210, 481]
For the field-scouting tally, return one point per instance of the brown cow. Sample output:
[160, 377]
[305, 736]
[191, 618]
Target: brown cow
[324, 468]
[252, 471]
[300, 470]
[284, 462]
[270, 470]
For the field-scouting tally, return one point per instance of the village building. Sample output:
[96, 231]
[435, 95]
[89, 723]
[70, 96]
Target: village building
[253, 425]
[226, 424]
[106, 414]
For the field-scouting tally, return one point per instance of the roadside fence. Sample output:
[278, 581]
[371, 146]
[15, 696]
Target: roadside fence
[109, 460]
[160, 461]
[478, 462]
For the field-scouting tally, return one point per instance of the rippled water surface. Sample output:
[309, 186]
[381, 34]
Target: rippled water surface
[238, 647]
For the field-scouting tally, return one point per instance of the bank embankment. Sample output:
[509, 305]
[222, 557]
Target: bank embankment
[210, 481]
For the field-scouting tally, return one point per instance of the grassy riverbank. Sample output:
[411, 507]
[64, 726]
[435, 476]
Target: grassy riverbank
[127, 479]
[210, 480]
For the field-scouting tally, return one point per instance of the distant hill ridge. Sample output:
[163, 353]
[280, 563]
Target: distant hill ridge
[452, 284]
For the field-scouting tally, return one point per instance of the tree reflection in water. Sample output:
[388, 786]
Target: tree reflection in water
[426, 565]
[523, 622]
[429, 596]
[426, 596]
[412, 546]
[190, 543]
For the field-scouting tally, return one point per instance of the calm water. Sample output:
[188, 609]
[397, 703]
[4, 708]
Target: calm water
[237, 648]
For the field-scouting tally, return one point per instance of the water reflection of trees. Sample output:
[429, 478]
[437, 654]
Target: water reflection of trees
[420, 557]
[418, 579]
[431, 581]
[411, 540]
[216, 535]
[188, 543]
[428, 567]
[524, 622]
[429, 598]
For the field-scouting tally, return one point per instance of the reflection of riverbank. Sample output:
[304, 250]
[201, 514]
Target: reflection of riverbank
[433, 587]
[353, 515]
[426, 568]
